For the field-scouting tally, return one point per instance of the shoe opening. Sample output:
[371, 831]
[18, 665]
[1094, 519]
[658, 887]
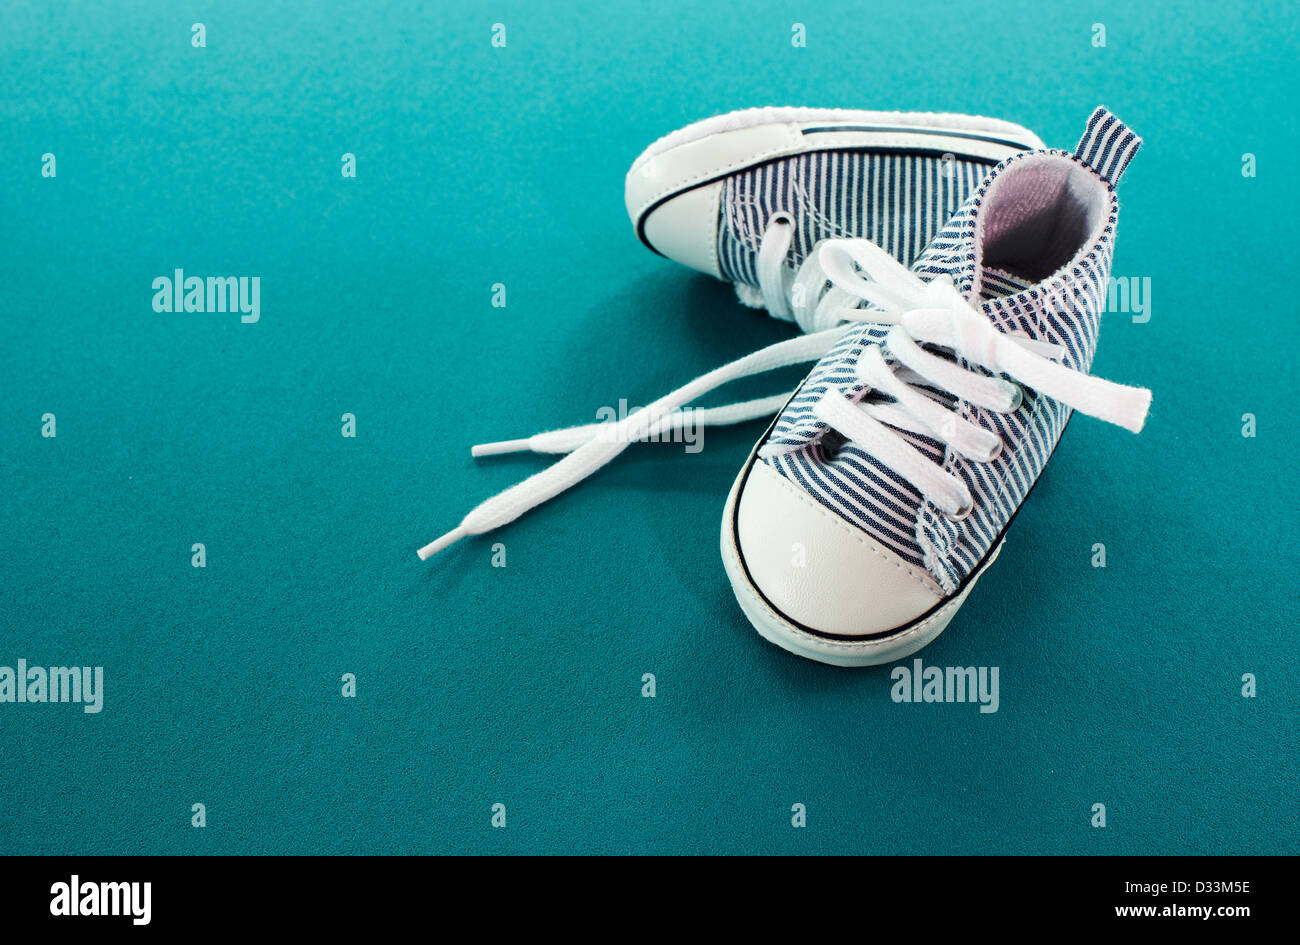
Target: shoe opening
[1039, 214]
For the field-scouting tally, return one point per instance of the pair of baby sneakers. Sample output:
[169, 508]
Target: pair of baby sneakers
[948, 273]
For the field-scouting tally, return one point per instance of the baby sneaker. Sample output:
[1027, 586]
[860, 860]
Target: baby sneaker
[883, 490]
[746, 196]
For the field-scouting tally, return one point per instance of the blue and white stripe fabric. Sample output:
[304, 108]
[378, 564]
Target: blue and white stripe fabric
[1107, 146]
[898, 201]
[1064, 309]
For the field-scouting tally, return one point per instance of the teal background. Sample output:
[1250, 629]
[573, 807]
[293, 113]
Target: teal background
[521, 685]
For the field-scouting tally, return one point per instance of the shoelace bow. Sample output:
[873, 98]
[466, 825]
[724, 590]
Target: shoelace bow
[920, 312]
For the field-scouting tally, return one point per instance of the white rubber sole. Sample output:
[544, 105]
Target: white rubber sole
[837, 652]
[752, 117]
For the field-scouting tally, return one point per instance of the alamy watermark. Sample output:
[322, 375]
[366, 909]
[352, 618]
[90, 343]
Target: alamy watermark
[78, 898]
[682, 426]
[918, 683]
[1130, 294]
[36, 684]
[181, 293]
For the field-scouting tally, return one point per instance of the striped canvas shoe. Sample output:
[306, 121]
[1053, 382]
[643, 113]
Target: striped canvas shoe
[882, 492]
[745, 196]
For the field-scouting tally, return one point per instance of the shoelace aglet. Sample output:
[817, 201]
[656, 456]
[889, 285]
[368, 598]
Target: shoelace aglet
[501, 446]
[433, 547]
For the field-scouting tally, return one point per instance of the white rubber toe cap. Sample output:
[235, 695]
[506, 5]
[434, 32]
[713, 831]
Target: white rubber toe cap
[819, 571]
[685, 228]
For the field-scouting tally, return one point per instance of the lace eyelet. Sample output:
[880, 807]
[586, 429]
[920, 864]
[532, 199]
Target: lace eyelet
[829, 446]
[781, 217]
[1020, 399]
[997, 451]
[962, 514]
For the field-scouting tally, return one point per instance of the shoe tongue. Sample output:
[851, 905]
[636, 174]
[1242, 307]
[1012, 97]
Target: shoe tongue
[952, 253]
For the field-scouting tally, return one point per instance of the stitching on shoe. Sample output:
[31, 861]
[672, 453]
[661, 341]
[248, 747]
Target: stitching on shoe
[736, 221]
[711, 235]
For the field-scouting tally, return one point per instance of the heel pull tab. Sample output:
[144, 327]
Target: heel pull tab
[1107, 146]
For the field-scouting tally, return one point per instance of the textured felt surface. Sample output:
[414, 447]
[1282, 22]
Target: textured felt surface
[522, 685]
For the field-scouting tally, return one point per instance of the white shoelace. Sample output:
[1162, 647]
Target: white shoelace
[921, 313]
[593, 445]
[773, 276]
